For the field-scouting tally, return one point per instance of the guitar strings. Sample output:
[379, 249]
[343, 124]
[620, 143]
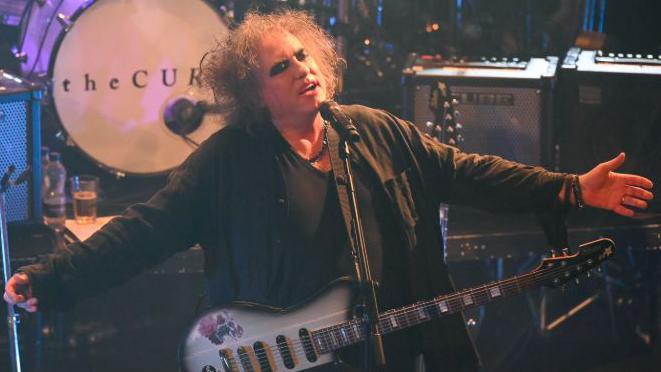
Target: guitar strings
[325, 335]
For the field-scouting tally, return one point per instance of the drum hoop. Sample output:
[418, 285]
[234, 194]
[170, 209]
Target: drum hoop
[51, 66]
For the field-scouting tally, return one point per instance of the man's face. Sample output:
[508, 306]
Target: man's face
[289, 79]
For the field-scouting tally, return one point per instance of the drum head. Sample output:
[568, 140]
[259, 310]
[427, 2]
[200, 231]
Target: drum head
[116, 68]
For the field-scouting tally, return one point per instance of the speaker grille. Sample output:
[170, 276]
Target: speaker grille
[503, 121]
[14, 145]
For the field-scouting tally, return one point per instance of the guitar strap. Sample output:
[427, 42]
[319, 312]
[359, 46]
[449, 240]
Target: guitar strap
[341, 181]
[553, 221]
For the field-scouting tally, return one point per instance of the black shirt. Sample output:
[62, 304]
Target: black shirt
[316, 235]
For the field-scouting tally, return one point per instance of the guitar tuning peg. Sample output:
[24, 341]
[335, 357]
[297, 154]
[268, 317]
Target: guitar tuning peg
[459, 126]
[450, 130]
[460, 138]
[455, 102]
[438, 129]
[446, 105]
[456, 113]
[589, 273]
[429, 125]
[452, 142]
[447, 117]
[577, 281]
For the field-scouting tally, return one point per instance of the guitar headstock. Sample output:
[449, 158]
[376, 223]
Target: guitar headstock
[445, 128]
[556, 271]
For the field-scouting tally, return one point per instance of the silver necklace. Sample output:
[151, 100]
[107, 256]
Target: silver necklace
[316, 157]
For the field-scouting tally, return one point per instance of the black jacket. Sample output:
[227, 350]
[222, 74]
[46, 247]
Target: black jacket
[229, 197]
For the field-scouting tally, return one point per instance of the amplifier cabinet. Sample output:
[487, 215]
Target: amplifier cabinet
[606, 108]
[504, 110]
[20, 146]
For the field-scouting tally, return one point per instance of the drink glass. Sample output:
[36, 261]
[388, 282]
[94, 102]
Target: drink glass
[84, 191]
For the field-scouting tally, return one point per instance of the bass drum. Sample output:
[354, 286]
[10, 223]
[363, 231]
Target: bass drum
[113, 66]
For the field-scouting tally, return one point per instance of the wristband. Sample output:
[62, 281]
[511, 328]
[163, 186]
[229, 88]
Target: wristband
[576, 189]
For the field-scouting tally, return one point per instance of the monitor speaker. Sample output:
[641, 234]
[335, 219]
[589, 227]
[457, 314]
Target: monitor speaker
[605, 109]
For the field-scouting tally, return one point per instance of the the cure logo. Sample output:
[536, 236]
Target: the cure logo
[138, 79]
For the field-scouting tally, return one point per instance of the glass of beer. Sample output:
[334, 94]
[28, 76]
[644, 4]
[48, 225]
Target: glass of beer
[84, 190]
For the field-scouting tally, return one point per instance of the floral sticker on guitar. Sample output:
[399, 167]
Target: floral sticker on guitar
[216, 327]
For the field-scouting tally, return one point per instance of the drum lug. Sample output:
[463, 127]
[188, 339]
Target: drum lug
[62, 137]
[118, 175]
[64, 21]
[21, 57]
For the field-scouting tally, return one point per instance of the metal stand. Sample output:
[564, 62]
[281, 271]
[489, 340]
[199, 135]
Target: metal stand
[367, 306]
[12, 316]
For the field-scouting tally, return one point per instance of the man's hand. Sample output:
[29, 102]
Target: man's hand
[603, 188]
[19, 292]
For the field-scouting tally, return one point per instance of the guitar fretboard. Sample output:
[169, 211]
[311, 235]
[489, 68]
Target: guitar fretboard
[345, 334]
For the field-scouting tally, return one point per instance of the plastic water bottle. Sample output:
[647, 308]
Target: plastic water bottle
[53, 194]
[44, 163]
[44, 157]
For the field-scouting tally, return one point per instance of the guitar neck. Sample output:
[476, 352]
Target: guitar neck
[351, 332]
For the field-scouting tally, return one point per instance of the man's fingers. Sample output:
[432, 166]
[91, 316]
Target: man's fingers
[614, 163]
[623, 211]
[26, 307]
[20, 278]
[637, 181]
[13, 298]
[17, 288]
[633, 202]
[31, 305]
[639, 193]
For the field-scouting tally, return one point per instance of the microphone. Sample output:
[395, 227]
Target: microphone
[332, 112]
[183, 115]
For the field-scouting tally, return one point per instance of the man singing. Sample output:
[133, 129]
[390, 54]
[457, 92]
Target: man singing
[260, 197]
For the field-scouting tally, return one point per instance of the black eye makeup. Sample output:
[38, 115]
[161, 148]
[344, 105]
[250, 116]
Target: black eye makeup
[279, 67]
[300, 55]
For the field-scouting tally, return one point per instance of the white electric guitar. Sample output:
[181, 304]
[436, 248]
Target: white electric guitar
[250, 337]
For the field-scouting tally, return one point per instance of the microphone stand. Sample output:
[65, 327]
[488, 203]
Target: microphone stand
[367, 305]
[12, 316]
